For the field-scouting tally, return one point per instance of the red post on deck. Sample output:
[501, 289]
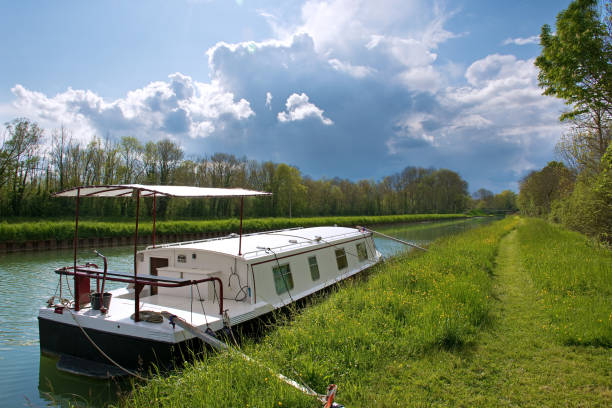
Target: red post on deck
[154, 211]
[136, 291]
[240, 239]
[77, 300]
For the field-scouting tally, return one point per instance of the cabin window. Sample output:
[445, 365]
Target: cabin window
[362, 253]
[283, 281]
[181, 259]
[314, 268]
[341, 259]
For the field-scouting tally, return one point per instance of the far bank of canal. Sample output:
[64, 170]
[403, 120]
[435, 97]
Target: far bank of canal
[27, 281]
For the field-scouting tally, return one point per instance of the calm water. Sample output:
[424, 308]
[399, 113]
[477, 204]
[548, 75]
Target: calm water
[27, 280]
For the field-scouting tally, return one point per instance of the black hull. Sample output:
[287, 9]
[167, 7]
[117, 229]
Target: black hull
[133, 353]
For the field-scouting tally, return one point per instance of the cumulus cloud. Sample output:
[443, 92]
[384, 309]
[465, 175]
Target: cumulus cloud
[356, 71]
[299, 108]
[177, 106]
[499, 114]
[534, 39]
[377, 70]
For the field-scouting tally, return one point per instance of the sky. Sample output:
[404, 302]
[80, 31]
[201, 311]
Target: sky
[353, 89]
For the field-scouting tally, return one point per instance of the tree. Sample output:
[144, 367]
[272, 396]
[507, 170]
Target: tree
[505, 201]
[19, 158]
[575, 63]
[540, 188]
[169, 155]
[131, 151]
[289, 188]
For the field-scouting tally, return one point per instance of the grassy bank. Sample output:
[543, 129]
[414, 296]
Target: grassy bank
[363, 337]
[573, 276]
[62, 230]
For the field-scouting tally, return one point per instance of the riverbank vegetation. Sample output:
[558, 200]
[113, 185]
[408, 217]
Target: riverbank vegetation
[35, 163]
[575, 65]
[64, 230]
[462, 324]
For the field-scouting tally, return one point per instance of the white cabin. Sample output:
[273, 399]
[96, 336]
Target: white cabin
[273, 268]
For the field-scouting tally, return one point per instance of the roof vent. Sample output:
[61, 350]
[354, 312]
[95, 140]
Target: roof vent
[317, 238]
[293, 241]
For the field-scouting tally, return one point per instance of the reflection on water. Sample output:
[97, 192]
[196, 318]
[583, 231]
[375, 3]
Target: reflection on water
[63, 389]
[27, 281]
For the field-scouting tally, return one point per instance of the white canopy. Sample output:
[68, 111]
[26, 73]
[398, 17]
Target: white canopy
[126, 190]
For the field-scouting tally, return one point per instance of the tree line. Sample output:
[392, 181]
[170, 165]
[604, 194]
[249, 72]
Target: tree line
[33, 166]
[576, 65]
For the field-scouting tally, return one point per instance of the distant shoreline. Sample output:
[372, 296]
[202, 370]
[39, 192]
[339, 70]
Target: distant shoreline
[51, 235]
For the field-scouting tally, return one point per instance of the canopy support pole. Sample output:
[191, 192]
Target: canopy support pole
[154, 212]
[77, 300]
[241, 211]
[136, 288]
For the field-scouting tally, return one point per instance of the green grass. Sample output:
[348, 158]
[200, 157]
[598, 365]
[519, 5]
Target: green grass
[363, 335]
[64, 230]
[573, 276]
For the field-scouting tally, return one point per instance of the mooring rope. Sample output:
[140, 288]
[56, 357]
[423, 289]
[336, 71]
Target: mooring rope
[392, 238]
[93, 343]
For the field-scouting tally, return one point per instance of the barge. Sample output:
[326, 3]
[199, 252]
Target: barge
[214, 284]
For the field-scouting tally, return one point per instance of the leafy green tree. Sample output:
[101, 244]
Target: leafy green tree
[575, 63]
[19, 159]
[540, 188]
[289, 188]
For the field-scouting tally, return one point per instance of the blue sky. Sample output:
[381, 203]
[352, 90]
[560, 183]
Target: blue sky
[347, 88]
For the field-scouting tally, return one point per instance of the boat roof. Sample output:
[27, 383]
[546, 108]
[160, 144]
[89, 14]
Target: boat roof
[263, 244]
[126, 190]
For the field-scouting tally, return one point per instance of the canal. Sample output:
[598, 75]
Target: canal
[27, 281]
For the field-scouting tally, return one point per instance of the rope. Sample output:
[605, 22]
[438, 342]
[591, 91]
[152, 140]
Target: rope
[242, 289]
[201, 303]
[393, 238]
[283, 276]
[93, 343]
[149, 316]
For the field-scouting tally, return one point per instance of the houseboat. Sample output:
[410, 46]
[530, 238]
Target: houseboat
[212, 284]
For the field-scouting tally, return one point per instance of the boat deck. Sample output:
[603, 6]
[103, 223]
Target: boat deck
[118, 318]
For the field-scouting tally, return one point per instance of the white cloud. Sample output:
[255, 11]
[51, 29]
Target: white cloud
[376, 68]
[423, 79]
[534, 39]
[299, 108]
[268, 100]
[180, 105]
[356, 71]
[410, 133]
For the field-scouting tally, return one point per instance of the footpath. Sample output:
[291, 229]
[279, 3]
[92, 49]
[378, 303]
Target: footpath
[519, 361]
[516, 362]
